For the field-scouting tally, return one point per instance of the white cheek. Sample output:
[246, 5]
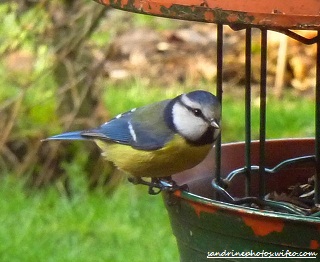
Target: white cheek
[187, 124]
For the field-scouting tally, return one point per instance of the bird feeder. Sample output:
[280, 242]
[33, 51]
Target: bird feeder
[226, 209]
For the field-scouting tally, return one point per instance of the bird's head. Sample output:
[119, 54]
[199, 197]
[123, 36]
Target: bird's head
[195, 116]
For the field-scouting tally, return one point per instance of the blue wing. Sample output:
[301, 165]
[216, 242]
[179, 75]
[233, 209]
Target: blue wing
[116, 130]
[143, 128]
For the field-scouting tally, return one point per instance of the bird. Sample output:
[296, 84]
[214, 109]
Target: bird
[158, 140]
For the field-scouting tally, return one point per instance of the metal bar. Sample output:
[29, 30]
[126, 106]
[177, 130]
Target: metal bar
[275, 205]
[317, 125]
[263, 94]
[219, 96]
[248, 112]
[286, 163]
[295, 36]
[290, 33]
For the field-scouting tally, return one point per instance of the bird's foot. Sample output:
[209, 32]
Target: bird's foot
[156, 185]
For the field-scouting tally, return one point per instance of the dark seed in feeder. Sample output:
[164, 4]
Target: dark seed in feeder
[299, 195]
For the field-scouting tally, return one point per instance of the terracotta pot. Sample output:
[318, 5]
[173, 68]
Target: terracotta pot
[203, 225]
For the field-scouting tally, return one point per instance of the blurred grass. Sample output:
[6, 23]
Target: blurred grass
[293, 116]
[45, 225]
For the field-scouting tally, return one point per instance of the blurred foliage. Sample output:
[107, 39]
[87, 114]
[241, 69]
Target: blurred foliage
[48, 84]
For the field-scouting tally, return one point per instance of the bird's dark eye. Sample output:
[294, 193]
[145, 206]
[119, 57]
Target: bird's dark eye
[196, 112]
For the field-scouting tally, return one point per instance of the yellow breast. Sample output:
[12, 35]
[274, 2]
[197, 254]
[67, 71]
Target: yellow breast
[175, 157]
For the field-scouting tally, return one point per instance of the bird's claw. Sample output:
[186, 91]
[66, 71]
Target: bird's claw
[156, 185]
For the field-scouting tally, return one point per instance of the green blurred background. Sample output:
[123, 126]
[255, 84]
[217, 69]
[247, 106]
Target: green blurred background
[74, 64]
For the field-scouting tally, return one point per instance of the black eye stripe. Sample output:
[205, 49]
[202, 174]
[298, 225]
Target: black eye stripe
[196, 111]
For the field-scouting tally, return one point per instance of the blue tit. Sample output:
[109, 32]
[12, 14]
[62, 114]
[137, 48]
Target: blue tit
[160, 139]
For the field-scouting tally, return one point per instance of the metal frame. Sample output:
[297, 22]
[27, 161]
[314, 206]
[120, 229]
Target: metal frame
[264, 172]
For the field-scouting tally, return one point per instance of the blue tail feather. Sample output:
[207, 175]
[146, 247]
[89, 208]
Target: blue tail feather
[75, 135]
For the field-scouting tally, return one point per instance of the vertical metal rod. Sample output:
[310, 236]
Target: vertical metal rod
[248, 112]
[263, 94]
[219, 96]
[317, 124]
